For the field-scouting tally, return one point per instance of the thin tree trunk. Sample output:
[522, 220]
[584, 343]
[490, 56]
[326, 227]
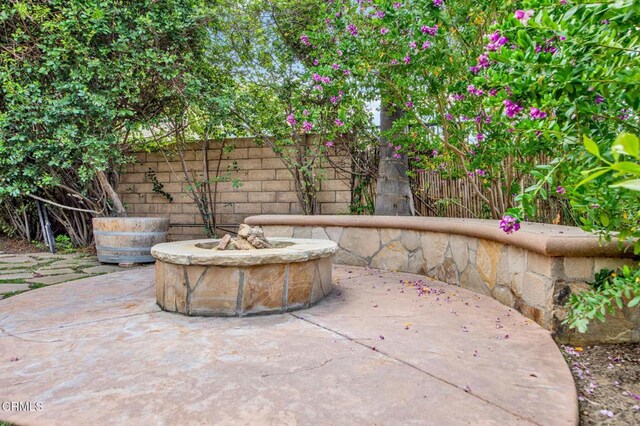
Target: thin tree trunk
[393, 188]
[111, 194]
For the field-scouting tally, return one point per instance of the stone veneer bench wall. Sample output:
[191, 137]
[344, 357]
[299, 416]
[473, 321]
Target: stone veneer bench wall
[533, 270]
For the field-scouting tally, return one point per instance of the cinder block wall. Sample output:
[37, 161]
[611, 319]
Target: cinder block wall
[267, 187]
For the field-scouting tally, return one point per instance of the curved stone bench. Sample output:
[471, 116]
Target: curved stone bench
[533, 270]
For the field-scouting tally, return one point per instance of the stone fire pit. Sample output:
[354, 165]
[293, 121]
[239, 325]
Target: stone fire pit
[194, 279]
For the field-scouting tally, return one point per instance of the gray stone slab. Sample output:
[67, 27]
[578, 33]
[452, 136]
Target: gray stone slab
[47, 270]
[8, 288]
[102, 269]
[18, 259]
[15, 276]
[75, 262]
[373, 352]
[55, 279]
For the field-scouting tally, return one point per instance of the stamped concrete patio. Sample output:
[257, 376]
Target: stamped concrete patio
[384, 348]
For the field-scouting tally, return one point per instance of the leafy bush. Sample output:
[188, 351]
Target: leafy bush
[610, 290]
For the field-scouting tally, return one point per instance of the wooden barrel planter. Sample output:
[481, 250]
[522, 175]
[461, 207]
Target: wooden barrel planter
[128, 239]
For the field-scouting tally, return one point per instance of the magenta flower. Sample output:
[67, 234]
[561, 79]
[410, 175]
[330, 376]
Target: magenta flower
[394, 62]
[347, 72]
[397, 5]
[306, 126]
[305, 40]
[599, 99]
[335, 66]
[474, 90]
[316, 62]
[407, 59]
[480, 137]
[509, 224]
[306, 112]
[396, 155]
[524, 15]
[437, 3]
[426, 45]
[409, 104]
[384, 30]
[535, 113]
[413, 45]
[429, 30]
[339, 122]
[511, 109]
[352, 29]
[325, 80]
[291, 120]
[316, 77]
[560, 190]
[496, 41]
[481, 172]
[448, 116]
[329, 144]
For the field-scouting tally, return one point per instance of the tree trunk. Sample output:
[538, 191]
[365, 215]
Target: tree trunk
[393, 189]
[118, 208]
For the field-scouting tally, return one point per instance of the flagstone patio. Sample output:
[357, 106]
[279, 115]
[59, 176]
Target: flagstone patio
[383, 348]
[23, 272]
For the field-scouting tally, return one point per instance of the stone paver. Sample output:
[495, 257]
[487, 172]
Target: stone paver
[102, 269]
[15, 276]
[55, 279]
[57, 271]
[7, 288]
[373, 352]
[17, 259]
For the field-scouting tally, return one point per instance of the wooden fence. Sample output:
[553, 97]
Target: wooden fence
[442, 197]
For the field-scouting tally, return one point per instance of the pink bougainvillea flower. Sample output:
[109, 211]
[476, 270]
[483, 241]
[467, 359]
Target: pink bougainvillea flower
[511, 108]
[509, 224]
[474, 90]
[535, 113]
[429, 30]
[524, 15]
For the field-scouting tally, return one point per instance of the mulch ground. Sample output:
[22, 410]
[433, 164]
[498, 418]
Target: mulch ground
[14, 246]
[608, 381]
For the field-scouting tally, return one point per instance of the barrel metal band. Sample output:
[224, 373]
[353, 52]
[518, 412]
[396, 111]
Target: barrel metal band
[110, 233]
[107, 248]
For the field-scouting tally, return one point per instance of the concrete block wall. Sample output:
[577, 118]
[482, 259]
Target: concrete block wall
[267, 187]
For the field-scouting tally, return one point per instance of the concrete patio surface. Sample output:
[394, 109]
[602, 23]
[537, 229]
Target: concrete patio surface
[383, 348]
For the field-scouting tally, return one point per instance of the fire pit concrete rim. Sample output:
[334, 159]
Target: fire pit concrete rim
[188, 253]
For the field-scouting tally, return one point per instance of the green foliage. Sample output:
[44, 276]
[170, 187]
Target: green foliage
[158, 187]
[611, 290]
[64, 244]
[76, 77]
